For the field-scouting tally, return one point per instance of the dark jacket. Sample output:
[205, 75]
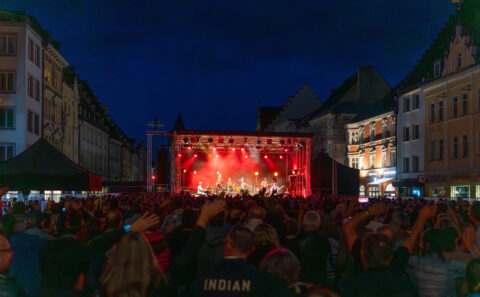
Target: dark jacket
[8, 288]
[314, 253]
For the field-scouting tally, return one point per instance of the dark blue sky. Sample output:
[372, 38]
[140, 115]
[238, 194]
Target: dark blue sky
[213, 60]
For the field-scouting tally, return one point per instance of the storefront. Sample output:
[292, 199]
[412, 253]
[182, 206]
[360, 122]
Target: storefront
[377, 182]
[453, 186]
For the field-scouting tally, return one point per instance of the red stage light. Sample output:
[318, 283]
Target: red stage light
[214, 148]
[216, 156]
[195, 156]
[281, 157]
[266, 157]
[194, 172]
[246, 156]
[184, 170]
[256, 173]
[189, 148]
[242, 149]
[233, 149]
[293, 172]
[286, 150]
[179, 155]
[153, 177]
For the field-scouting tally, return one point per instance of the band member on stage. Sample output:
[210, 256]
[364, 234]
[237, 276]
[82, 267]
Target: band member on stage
[264, 183]
[274, 189]
[243, 184]
[219, 179]
[200, 189]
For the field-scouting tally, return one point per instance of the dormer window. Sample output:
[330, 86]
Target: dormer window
[436, 69]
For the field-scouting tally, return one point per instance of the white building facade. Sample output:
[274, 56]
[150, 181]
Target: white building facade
[20, 87]
[411, 143]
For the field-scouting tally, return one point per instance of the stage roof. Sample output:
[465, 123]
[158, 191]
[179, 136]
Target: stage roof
[243, 133]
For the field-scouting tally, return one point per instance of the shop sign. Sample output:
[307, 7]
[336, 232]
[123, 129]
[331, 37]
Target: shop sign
[372, 173]
[389, 172]
[435, 178]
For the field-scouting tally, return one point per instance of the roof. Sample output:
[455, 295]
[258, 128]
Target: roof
[7, 15]
[242, 133]
[266, 115]
[371, 110]
[365, 87]
[469, 17]
[179, 125]
[43, 167]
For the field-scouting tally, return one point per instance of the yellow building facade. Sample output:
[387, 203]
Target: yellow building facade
[452, 123]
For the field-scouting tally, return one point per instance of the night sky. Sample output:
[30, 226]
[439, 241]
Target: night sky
[214, 60]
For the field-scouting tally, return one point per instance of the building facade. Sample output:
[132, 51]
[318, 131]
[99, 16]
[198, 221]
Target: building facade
[70, 111]
[372, 149]
[452, 133]
[411, 143]
[20, 83]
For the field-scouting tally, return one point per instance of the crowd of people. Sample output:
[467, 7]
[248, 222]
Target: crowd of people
[138, 245]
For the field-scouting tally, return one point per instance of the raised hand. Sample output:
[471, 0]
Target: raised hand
[209, 210]
[428, 212]
[144, 223]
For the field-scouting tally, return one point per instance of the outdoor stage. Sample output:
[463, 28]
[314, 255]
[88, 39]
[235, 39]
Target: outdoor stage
[213, 157]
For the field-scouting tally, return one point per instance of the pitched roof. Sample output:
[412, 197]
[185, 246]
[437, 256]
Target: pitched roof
[365, 87]
[469, 17]
[266, 115]
[179, 126]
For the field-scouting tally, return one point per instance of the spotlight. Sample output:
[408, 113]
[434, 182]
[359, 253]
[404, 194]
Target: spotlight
[195, 156]
[256, 173]
[179, 155]
[184, 170]
[266, 157]
[293, 172]
[242, 149]
[216, 156]
[246, 156]
[194, 172]
[154, 177]
[276, 174]
[233, 149]
[286, 150]
[281, 157]
[189, 148]
[214, 148]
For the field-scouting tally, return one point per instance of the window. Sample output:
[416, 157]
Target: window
[406, 104]
[30, 50]
[47, 70]
[416, 102]
[440, 111]
[440, 149]
[414, 163]
[393, 128]
[406, 165]
[432, 113]
[372, 159]
[384, 159]
[37, 55]
[455, 109]
[30, 121]
[459, 61]
[393, 158]
[455, 147]
[374, 191]
[415, 131]
[7, 151]
[406, 133]
[8, 44]
[464, 146]
[354, 163]
[372, 132]
[57, 82]
[432, 150]
[7, 117]
[384, 130]
[362, 190]
[36, 91]
[464, 104]
[7, 81]
[462, 191]
[30, 85]
[36, 124]
[437, 68]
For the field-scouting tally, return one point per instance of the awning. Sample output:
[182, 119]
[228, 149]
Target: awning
[380, 181]
[405, 183]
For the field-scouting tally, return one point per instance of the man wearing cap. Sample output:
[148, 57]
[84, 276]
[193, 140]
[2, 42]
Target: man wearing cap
[234, 276]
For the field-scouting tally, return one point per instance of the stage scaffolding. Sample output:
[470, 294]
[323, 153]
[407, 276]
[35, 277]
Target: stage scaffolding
[298, 144]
